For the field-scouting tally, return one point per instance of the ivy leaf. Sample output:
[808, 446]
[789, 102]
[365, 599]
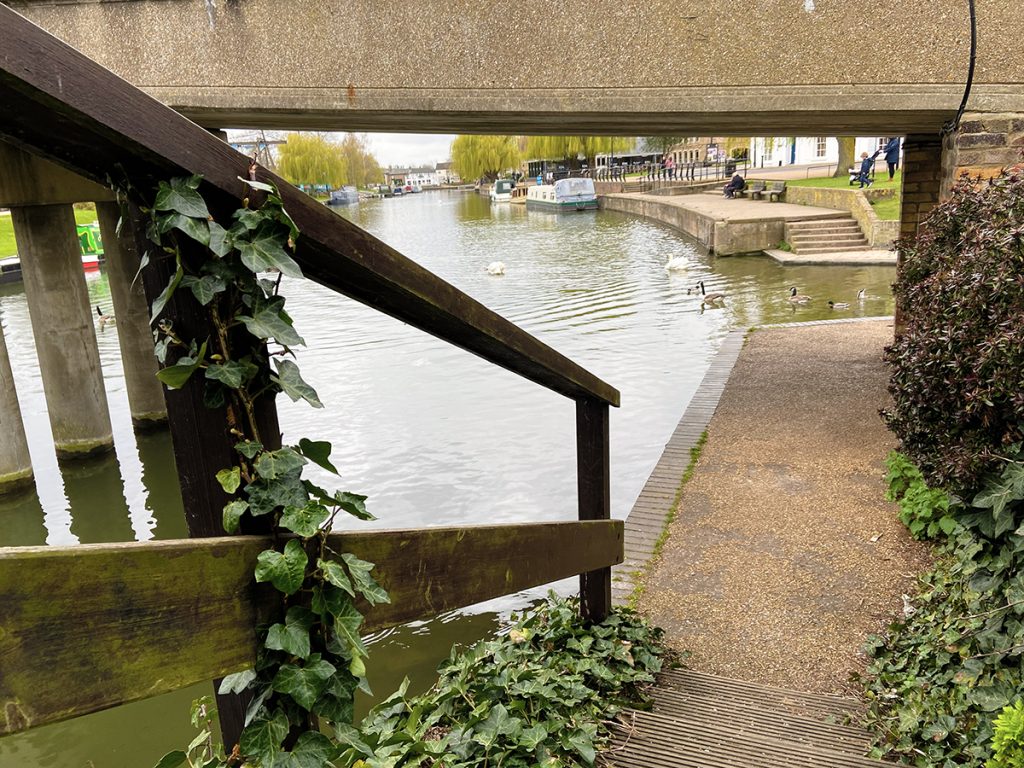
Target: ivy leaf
[360, 571]
[285, 570]
[197, 229]
[237, 682]
[262, 738]
[354, 504]
[165, 295]
[347, 621]
[293, 636]
[335, 574]
[261, 186]
[346, 734]
[319, 452]
[304, 684]
[265, 497]
[267, 323]
[533, 736]
[232, 514]
[231, 374]
[498, 723]
[204, 288]
[264, 250]
[581, 743]
[181, 196]
[312, 750]
[292, 384]
[336, 702]
[304, 521]
[172, 759]
[220, 243]
[230, 479]
[248, 448]
[274, 464]
[175, 376]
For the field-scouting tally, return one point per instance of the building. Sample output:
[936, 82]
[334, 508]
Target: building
[411, 177]
[806, 150]
[446, 174]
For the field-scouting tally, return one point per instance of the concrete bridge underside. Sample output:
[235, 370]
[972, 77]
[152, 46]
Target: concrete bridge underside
[702, 67]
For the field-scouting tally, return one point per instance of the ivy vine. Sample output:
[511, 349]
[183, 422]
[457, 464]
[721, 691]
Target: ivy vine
[311, 660]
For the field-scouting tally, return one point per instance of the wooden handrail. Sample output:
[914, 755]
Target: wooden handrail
[89, 627]
[60, 104]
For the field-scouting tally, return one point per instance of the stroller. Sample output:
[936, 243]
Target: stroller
[854, 172]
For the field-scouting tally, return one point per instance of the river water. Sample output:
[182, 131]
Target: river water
[432, 434]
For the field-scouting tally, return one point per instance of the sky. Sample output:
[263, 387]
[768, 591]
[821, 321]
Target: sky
[410, 148]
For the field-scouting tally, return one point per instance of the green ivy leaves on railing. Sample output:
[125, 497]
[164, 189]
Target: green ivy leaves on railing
[311, 660]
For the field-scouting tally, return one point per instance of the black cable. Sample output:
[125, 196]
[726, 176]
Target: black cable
[953, 124]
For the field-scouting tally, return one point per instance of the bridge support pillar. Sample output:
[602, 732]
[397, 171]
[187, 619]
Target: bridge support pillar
[15, 462]
[984, 144]
[62, 323]
[145, 394]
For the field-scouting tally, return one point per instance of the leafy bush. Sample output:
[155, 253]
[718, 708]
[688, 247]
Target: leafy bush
[1008, 741]
[927, 512]
[937, 679]
[958, 367]
[536, 697]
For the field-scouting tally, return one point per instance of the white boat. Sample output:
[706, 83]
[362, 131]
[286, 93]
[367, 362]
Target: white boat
[563, 195]
[501, 190]
[347, 195]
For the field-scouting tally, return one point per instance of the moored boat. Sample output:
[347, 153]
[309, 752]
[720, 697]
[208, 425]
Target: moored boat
[564, 195]
[92, 254]
[347, 195]
[501, 190]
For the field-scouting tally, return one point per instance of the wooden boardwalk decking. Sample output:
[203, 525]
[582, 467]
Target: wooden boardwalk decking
[703, 721]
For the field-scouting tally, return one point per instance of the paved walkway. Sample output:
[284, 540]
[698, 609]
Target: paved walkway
[717, 206]
[865, 258]
[784, 555]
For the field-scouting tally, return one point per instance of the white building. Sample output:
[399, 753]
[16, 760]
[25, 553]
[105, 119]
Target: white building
[807, 150]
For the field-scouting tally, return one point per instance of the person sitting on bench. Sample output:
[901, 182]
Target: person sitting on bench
[736, 183]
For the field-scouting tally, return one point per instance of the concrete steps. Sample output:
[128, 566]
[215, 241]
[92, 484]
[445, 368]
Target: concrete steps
[703, 721]
[825, 236]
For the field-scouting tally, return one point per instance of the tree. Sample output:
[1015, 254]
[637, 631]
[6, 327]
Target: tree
[309, 158]
[660, 144]
[571, 147]
[847, 155]
[362, 166]
[478, 157]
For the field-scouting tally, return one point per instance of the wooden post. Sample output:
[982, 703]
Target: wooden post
[593, 478]
[199, 435]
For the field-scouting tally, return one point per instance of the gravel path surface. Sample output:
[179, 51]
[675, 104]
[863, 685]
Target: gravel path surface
[784, 554]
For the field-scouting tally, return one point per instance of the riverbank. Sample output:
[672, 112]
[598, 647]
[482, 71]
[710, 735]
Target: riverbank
[783, 555]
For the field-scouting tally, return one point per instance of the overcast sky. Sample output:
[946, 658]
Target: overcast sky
[410, 148]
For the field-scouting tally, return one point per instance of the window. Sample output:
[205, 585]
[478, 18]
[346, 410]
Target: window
[882, 141]
[820, 143]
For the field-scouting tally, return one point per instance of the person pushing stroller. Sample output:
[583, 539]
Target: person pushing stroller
[866, 164]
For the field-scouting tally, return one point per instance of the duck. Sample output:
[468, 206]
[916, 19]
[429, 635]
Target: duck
[496, 268]
[839, 305]
[676, 263]
[708, 298]
[105, 320]
[861, 295]
[798, 298]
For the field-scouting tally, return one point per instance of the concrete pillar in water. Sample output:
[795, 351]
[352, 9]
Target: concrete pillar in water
[15, 462]
[62, 323]
[145, 394]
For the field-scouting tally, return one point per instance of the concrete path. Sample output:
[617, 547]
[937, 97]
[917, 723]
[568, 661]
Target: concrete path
[717, 206]
[784, 555]
[870, 257]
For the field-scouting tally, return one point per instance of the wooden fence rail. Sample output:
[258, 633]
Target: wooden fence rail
[89, 627]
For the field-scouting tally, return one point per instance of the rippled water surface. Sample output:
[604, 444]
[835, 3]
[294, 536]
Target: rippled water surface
[434, 435]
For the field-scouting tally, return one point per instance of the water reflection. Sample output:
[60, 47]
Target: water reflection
[95, 492]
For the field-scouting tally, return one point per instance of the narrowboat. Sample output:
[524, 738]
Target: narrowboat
[564, 195]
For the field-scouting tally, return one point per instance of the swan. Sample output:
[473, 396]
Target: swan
[798, 298]
[676, 263]
[105, 319]
[496, 268]
[839, 305]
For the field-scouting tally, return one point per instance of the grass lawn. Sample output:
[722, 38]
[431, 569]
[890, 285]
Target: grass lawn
[888, 208]
[7, 245]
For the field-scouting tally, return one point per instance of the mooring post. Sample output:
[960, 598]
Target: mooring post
[62, 323]
[593, 477]
[134, 336]
[15, 462]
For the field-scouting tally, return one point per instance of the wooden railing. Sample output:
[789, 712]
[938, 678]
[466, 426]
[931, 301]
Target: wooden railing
[89, 627]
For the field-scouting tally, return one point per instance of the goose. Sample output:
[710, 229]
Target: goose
[798, 298]
[104, 319]
[861, 295]
[839, 305]
[496, 268]
[709, 298]
[676, 263]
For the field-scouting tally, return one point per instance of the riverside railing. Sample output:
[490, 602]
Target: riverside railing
[90, 627]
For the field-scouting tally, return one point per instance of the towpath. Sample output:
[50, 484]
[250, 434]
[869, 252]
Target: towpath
[784, 555]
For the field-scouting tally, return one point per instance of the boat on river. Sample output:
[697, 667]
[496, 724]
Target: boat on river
[501, 190]
[565, 195]
[92, 254]
[347, 195]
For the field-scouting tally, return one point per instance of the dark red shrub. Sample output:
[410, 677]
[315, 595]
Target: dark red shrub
[958, 369]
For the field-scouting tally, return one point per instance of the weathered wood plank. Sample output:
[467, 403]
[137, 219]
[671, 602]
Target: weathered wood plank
[62, 105]
[593, 480]
[90, 627]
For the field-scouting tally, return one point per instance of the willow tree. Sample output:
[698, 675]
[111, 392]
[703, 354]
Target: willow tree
[309, 158]
[362, 167]
[484, 157]
[572, 147]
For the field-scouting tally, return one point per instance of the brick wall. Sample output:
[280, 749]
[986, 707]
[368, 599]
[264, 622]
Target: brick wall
[984, 145]
[922, 179]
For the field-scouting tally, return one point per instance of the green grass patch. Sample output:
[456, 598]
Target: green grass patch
[888, 208]
[641, 583]
[843, 182]
[8, 245]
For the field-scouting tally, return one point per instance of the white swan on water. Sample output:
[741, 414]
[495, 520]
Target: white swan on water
[496, 268]
[677, 264]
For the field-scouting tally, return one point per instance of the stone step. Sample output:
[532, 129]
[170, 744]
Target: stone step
[823, 230]
[821, 223]
[826, 242]
[829, 249]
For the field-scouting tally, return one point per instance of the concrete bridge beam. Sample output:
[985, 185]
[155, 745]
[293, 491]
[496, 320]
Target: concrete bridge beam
[134, 335]
[15, 462]
[62, 323]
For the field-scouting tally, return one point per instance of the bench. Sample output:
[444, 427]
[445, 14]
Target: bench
[774, 190]
[756, 189]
